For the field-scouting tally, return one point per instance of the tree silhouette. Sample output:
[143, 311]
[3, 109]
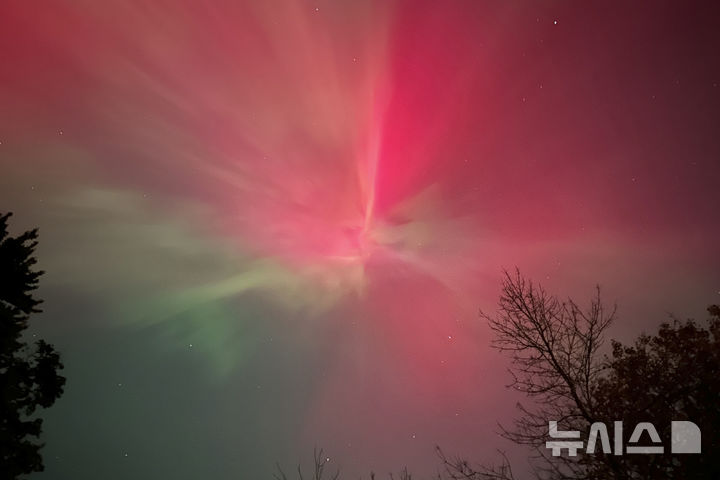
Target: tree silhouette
[319, 472]
[555, 346]
[29, 376]
[671, 376]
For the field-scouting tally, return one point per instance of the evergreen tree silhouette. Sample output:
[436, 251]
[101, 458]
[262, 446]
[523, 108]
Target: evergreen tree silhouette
[29, 376]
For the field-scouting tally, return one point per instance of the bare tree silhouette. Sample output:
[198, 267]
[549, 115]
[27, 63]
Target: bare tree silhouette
[554, 348]
[319, 463]
[318, 473]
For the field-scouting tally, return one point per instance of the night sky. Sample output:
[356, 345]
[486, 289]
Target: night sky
[269, 225]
